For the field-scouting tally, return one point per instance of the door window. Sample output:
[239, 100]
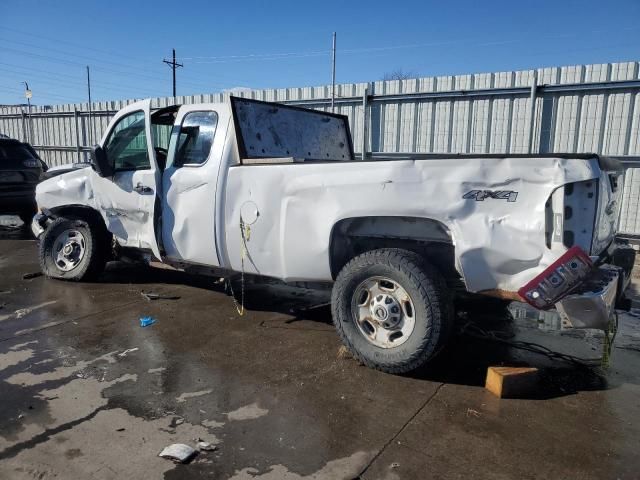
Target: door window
[195, 138]
[126, 147]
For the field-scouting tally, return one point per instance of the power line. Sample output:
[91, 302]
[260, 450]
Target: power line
[51, 59]
[258, 55]
[77, 45]
[12, 89]
[70, 80]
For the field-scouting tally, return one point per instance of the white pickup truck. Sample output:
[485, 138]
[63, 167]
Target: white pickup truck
[274, 190]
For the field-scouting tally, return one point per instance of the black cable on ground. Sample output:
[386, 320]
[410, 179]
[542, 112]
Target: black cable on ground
[475, 331]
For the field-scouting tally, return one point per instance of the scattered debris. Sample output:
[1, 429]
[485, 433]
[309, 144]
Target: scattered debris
[206, 446]
[344, 353]
[471, 411]
[128, 350]
[158, 296]
[29, 276]
[21, 312]
[212, 424]
[178, 452]
[147, 321]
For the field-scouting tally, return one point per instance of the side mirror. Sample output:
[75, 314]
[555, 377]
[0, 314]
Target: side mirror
[100, 162]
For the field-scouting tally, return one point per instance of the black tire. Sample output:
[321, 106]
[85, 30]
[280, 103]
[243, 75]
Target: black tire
[95, 243]
[431, 301]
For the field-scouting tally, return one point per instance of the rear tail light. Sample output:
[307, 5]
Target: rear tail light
[31, 163]
[558, 279]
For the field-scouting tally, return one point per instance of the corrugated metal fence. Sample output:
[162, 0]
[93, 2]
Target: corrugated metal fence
[584, 108]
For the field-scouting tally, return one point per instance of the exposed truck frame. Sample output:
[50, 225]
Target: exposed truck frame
[275, 190]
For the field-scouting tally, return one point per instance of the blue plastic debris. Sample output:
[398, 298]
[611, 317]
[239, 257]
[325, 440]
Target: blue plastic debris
[146, 321]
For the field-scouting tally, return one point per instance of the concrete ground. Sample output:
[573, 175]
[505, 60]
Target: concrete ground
[86, 392]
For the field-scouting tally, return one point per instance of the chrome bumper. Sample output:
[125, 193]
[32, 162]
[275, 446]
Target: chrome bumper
[593, 304]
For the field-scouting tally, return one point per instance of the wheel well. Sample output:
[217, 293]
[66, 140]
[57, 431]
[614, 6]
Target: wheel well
[81, 212]
[429, 238]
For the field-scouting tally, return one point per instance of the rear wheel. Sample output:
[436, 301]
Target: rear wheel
[73, 249]
[391, 309]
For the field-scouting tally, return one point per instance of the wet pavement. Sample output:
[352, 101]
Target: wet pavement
[87, 393]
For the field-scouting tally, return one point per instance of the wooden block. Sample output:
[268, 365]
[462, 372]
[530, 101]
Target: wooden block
[511, 382]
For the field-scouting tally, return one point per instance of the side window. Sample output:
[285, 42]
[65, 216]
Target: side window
[126, 147]
[195, 138]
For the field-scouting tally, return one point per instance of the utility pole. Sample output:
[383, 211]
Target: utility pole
[333, 75]
[90, 135]
[28, 95]
[173, 66]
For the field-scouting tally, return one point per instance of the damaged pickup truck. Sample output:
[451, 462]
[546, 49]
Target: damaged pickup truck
[274, 190]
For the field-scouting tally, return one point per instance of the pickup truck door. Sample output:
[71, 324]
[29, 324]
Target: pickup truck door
[127, 200]
[189, 184]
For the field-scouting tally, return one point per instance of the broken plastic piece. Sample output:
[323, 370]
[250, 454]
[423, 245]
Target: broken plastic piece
[29, 276]
[146, 321]
[158, 296]
[206, 446]
[178, 452]
[558, 279]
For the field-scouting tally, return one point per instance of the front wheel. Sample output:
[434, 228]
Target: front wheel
[391, 309]
[72, 249]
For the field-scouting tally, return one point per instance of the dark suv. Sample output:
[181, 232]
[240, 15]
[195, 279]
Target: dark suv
[20, 171]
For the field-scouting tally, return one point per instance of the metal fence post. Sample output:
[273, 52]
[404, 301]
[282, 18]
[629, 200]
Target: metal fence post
[24, 130]
[532, 109]
[75, 118]
[365, 122]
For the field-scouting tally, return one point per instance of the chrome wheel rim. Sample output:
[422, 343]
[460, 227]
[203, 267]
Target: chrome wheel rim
[69, 249]
[383, 311]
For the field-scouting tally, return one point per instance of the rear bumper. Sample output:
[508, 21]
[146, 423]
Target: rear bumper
[592, 306]
[592, 303]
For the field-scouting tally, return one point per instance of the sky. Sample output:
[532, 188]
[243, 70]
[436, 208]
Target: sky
[274, 44]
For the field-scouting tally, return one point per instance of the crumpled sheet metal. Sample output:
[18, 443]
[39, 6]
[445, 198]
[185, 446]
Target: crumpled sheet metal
[498, 244]
[86, 188]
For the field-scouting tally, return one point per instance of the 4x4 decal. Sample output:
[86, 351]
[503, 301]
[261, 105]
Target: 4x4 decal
[480, 195]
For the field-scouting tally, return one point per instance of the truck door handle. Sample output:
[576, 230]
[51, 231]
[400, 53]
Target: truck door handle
[142, 188]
